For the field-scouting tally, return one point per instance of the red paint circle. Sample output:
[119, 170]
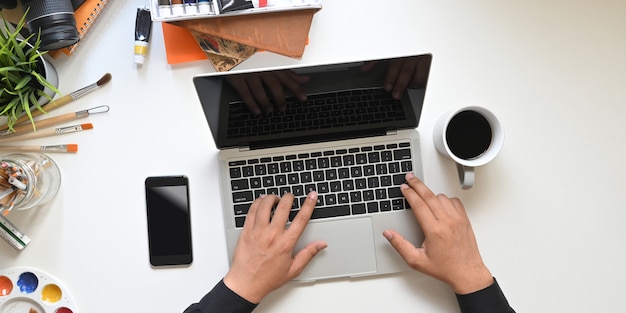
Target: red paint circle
[6, 286]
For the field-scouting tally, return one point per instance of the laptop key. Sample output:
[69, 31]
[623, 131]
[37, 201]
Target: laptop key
[242, 209]
[260, 169]
[385, 206]
[385, 181]
[255, 182]
[406, 166]
[360, 183]
[235, 172]
[356, 171]
[306, 177]
[242, 196]
[330, 199]
[372, 207]
[402, 154]
[272, 168]
[386, 156]
[343, 198]
[298, 190]
[358, 208]
[239, 184]
[247, 171]
[293, 179]
[394, 192]
[348, 185]
[361, 158]
[373, 182]
[394, 167]
[281, 180]
[310, 164]
[268, 181]
[355, 196]
[239, 221]
[323, 187]
[285, 167]
[298, 166]
[343, 173]
[380, 193]
[397, 204]
[331, 174]
[331, 211]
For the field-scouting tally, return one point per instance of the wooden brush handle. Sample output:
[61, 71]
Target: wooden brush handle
[45, 123]
[48, 107]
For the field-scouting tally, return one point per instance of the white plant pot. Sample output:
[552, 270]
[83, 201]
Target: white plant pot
[50, 74]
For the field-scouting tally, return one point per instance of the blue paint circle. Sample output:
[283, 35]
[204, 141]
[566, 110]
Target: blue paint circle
[27, 282]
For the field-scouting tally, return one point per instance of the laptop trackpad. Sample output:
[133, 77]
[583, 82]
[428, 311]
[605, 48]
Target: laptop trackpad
[350, 250]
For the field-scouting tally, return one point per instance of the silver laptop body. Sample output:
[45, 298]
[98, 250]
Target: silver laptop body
[349, 141]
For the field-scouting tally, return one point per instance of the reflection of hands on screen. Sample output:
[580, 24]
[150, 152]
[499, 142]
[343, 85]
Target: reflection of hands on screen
[254, 88]
[403, 73]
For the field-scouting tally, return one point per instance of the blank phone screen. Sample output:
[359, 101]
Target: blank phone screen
[169, 229]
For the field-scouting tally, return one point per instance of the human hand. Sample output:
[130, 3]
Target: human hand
[253, 89]
[449, 251]
[264, 259]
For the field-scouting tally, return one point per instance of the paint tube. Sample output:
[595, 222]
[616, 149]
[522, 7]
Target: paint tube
[235, 5]
[143, 27]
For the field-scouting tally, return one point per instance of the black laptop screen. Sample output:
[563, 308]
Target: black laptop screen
[313, 104]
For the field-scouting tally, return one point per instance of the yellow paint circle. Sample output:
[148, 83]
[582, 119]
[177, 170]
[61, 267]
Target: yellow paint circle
[51, 293]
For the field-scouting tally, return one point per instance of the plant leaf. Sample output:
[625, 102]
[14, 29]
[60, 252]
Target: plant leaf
[23, 82]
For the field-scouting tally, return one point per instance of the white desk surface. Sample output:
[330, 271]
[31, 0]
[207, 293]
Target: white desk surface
[548, 212]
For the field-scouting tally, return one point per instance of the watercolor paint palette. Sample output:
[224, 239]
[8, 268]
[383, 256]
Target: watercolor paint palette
[178, 10]
[29, 290]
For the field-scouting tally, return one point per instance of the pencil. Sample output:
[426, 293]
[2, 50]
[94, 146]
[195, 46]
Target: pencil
[48, 132]
[70, 148]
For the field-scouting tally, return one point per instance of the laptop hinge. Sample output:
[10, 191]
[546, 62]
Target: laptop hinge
[392, 132]
[245, 148]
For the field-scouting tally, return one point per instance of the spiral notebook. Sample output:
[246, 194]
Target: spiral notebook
[86, 15]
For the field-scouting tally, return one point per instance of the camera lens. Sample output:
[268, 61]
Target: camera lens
[54, 20]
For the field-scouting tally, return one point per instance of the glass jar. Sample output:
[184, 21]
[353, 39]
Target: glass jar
[28, 180]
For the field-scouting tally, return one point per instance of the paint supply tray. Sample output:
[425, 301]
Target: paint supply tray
[172, 10]
[29, 290]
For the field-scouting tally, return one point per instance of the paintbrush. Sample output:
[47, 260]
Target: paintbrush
[65, 99]
[53, 121]
[48, 132]
[70, 148]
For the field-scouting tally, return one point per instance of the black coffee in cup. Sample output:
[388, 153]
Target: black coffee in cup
[468, 134]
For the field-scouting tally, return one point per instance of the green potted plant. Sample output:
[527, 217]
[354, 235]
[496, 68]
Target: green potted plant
[27, 80]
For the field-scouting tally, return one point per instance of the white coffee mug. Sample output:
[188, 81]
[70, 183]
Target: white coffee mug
[470, 136]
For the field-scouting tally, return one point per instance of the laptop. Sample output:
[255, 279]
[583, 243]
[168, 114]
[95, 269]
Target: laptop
[350, 141]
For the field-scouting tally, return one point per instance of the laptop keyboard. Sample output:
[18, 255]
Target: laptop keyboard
[322, 110]
[349, 181]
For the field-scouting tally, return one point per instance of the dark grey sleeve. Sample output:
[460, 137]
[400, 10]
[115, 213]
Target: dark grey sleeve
[488, 300]
[221, 300]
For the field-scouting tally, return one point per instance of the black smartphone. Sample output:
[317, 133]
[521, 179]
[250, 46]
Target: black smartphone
[169, 220]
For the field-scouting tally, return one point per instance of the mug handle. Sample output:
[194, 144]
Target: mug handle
[466, 176]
